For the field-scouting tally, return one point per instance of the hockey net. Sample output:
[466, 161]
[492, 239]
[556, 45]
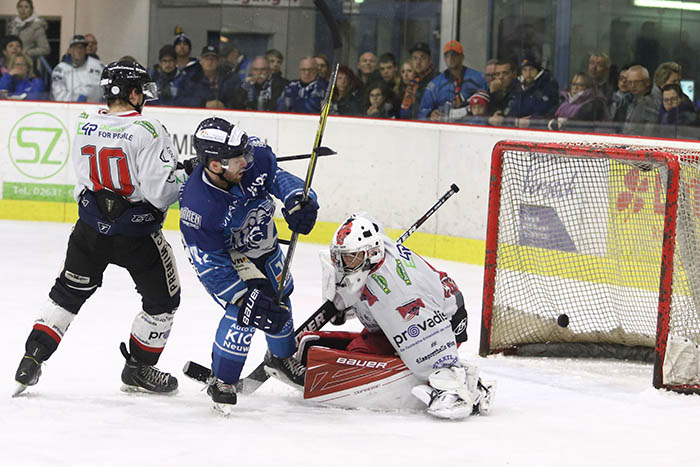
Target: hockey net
[594, 251]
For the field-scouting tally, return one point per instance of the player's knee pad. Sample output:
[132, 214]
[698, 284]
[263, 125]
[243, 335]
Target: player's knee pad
[149, 333]
[230, 349]
[49, 328]
[71, 290]
[157, 307]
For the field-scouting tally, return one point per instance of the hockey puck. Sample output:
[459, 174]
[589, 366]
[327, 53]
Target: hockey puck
[563, 320]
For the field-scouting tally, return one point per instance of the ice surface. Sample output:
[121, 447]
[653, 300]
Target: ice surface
[547, 412]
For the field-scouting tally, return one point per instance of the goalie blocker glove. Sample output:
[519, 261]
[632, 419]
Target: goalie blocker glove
[262, 311]
[300, 216]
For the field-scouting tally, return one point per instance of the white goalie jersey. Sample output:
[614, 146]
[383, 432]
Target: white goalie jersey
[410, 302]
[127, 154]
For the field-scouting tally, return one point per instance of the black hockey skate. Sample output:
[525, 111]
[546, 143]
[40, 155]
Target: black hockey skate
[222, 395]
[29, 369]
[288, 370]
[138, 376]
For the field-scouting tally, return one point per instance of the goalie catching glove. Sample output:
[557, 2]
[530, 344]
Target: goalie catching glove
[262, 311]
[300, 215]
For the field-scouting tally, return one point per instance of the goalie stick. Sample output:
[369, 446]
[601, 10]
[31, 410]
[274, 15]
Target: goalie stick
[316, 321]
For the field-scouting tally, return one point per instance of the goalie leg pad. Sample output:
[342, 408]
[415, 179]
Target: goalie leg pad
[149, 333]
[371, 343]
[330, 339]
[455, 392]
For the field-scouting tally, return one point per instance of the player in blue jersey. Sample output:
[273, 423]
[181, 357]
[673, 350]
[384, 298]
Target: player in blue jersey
[226, 211]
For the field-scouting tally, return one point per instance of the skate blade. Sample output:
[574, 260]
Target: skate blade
[129, 389]
[19, 389]
[279, 376]
[222, 409]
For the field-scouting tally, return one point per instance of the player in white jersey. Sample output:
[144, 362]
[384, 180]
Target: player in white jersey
[125, 184]
[407, 308]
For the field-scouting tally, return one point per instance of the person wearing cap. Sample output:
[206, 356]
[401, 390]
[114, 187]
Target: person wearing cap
[166, 76]
[539, 96]
[451, 88]
[183, 47]
[424, 73]
[211, 85]
[304, 95]
[78, 81]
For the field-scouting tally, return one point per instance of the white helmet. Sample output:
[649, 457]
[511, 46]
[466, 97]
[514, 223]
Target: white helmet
[357, 248]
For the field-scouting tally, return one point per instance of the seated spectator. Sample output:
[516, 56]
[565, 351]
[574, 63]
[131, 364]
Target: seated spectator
[92, 46]
[11, 46]
[236, 60]
[599, 73]
[490, 72]
[262, 89]
[539, 96]
[452, 88]
[166, 76]
[31, 29]
[377, 105]
[642, 112]
[78, 81]
[477, 110]
[209, 85]
[582, 102]
[346, 99]
[406, 74]
[620, 98]
[183, 48]
[667, 73]
[503, 92]
[424, 74]
[389, 71]
[19, 82]
[274, 59]
[676, 109]
[367, 68]
[324, 68]
[304, 95]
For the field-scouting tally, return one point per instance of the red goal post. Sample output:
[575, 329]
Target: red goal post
[593, 250]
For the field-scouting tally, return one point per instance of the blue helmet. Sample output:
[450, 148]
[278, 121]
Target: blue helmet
[217, 139]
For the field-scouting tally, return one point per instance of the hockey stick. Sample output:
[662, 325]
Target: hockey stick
[316, 321]
[325, 108]
[320, 152]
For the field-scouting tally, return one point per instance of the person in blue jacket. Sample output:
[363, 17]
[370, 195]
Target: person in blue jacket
[19, 82]
[304, 95]
[226, 220]
[452, 88]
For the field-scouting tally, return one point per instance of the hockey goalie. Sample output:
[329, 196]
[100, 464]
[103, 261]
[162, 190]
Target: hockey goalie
[414, 320]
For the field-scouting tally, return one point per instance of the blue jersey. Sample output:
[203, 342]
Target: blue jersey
[215, 222]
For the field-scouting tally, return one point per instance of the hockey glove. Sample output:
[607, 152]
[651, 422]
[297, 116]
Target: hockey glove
[300, 216]
[263, 312]
[188, 165]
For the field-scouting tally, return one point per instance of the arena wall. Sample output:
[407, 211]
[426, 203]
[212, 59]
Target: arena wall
[394, 170]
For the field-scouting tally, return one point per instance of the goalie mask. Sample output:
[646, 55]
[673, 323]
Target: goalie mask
[357, 248]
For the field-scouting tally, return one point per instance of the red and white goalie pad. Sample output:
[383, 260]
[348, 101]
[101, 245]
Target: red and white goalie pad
[358, 380]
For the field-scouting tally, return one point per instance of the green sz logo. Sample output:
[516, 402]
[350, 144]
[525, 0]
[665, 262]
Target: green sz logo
[39, 145]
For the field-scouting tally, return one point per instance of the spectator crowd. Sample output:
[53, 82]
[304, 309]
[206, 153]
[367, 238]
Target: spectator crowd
[518, 92]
